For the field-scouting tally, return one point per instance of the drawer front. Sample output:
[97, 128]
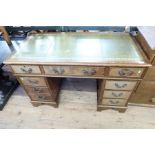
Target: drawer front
[114, 102]
[26, 69]
[120, 85]
[41, 97]
[116, 94]
[36, 90]
[33, 81]
[74, 70]
[126, 72]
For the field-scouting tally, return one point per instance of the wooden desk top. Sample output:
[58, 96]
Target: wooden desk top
[148, 33]
[104, 49]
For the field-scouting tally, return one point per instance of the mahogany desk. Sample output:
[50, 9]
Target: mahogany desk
[114, 59]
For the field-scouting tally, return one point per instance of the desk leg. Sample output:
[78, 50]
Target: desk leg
[121, 110]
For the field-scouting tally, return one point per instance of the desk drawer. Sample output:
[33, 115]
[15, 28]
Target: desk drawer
[116, 94]
[33, 81]
[120, 85]
[41, 97]
[114, 102]
[26, 69]
[126, 72]
[36, 90]
[74, 70]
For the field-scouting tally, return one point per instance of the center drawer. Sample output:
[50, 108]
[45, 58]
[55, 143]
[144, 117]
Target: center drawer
[120, 85]
[74, 70]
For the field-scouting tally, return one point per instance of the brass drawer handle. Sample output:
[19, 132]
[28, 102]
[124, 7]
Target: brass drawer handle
[117, 95]
[23, 69]
[120, 86]
[125, 72]
[89, 71]
[58, 70]
[113, 102]
[33, 81]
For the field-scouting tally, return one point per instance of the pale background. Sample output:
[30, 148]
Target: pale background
[82, 13]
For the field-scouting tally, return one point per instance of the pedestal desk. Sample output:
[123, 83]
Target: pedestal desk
[114, 59]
